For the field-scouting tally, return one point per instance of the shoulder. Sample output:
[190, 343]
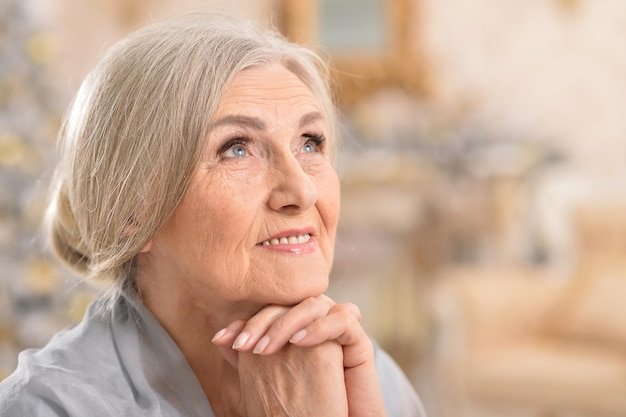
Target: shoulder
[38, 389]
[401, 399]
[30, 391]
[50, 381]
[73, 350]
[19, 398]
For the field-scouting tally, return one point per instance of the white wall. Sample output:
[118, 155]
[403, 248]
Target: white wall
[537, 67]
[84, 29]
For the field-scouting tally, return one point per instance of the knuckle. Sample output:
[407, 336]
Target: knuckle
[310, 302]
[265, 317]
[349, 320]
[326, 300]
[318, 306]
[348, 308]
[316, 327]
[354, 310]
[280, 326]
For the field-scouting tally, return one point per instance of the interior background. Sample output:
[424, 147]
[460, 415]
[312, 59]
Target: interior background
[473, 130]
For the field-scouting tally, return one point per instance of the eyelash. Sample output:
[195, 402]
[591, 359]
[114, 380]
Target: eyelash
[317, 139]
[231, 143]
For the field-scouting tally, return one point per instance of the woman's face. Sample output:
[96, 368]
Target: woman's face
[259, 218]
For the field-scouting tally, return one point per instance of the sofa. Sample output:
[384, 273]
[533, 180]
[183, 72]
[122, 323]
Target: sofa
[530, 341]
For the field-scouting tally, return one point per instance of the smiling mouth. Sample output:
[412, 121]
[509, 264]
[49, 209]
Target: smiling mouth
[288, 240]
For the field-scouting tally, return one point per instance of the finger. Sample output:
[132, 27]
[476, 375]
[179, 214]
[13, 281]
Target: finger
[342, 324]
[350, 308]
[296, 318]
[236, 335]
[227, 335]
[254, 328]
[224, 339]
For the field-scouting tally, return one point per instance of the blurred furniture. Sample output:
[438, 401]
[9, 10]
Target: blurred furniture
[511, 340]
[372, 43]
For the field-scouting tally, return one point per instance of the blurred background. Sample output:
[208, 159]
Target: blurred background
[483, 228]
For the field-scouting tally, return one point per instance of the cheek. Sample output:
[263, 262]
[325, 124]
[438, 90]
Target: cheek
[329, 201]
[196, 219]
[229, 212]
[327, 182]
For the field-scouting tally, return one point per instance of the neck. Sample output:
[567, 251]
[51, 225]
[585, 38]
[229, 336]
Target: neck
[192, 318]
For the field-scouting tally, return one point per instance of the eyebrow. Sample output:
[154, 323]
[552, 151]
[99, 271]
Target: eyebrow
[252, 122]
[258, 124]
[310, 118]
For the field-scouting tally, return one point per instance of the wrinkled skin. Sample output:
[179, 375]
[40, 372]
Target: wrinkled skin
[294, 382]
[246, 307]
[326, 326]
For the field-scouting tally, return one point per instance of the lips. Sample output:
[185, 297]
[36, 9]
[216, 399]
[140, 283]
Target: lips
[296, 239]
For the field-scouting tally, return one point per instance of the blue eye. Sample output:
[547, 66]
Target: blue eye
[236, 152]
[313, 143]
[234, 148]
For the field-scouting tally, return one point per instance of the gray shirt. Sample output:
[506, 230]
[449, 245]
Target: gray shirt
[121, 362]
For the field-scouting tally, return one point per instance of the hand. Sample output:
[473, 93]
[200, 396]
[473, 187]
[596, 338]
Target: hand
[294, 382]
[313, 322]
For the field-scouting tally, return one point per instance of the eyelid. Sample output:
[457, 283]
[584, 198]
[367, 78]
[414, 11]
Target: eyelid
[229, 143]
[317, 138]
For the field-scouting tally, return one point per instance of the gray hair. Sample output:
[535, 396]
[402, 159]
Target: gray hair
[135, 130]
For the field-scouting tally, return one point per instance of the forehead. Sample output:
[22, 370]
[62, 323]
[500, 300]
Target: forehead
[267, 88]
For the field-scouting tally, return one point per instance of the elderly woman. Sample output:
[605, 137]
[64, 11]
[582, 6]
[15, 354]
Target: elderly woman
[195, 177]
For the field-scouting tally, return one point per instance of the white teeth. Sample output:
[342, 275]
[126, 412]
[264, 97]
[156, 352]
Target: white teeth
[288, 240]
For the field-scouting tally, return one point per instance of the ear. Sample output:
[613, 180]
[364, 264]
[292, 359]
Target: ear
[131, 227]
[146, 248]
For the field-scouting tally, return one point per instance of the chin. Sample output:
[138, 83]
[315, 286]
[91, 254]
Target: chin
[298, 294]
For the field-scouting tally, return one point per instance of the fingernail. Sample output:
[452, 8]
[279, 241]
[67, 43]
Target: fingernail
[298, 336]
[241, 340]
[218, 335]
[262, 345]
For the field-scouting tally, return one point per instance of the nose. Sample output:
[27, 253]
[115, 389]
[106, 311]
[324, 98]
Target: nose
[293, 188]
